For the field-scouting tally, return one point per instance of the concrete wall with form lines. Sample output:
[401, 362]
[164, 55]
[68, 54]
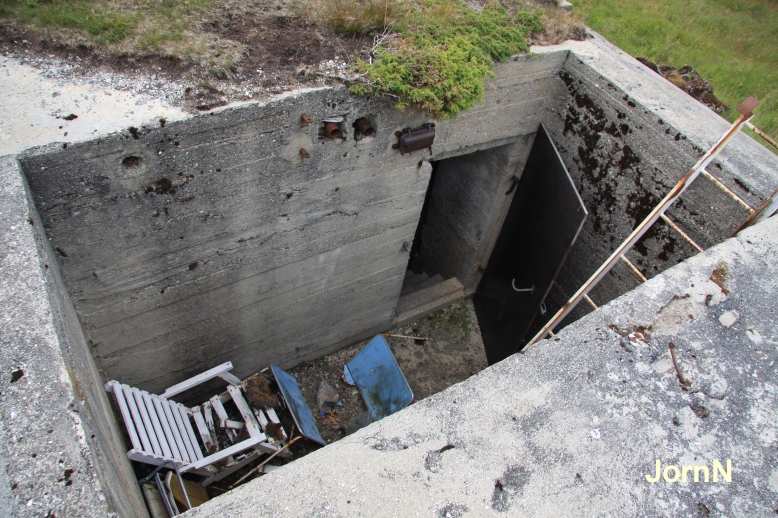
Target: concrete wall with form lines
[212, 239]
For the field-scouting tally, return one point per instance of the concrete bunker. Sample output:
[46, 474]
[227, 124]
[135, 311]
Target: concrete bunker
[215, 238]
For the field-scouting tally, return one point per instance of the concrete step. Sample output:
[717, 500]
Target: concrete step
[414, 282]
[428, 300]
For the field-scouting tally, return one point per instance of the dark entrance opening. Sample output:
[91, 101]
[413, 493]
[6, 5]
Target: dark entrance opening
[420, 275]
[542, 224]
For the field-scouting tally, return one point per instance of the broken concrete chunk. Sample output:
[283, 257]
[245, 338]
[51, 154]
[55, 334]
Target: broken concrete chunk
[327, 396]
[729, 318]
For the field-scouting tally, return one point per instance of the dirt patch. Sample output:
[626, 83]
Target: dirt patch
[238, 51]
[452, 352]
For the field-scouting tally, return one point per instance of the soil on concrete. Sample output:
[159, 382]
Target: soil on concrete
[451, 352]
[284, 51]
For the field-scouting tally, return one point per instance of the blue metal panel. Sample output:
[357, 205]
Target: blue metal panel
[301, 413]
[376, 373]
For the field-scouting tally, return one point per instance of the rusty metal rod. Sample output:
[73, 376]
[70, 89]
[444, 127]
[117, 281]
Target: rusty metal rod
[634, 269]
[244, 477]
[681, 232]
[685, 383]
[641, 229]
[590, 301]
[767, 209]
[727, 190]
[762, 134]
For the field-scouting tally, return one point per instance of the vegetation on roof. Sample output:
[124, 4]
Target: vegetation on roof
[433, 55]
[731, 43]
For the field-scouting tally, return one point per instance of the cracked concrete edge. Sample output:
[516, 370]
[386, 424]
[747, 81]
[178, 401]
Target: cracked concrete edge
[46, 419]
[573, 426]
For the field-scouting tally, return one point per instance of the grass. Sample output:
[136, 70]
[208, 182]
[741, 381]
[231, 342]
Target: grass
[100, 20]
[162, 27]
[432, 55]
[454, 319]
[731, 43]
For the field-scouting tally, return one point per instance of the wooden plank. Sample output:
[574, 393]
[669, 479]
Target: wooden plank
[230, 378]
[159, 432]
[136, 417]
[202, 428]
[148, 426]
[227, 452]
[115, 387]
[261, 419]
[163, 419]
[186, 453]
[271, 414]
[208, 414]
[231, 425]
[221, 413]
[148, 458]
[196, 380]
[252, 426]
[156, 460]
[186, 426]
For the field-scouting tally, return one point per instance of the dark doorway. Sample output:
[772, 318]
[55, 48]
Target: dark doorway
[542, 224]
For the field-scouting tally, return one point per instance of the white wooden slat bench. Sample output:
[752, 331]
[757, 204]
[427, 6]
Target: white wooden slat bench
[160, 429]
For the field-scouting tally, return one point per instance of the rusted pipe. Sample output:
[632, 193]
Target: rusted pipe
[681, 233]
[685, 383]
[306, 119]
[331, 129]
[304, 153]
[364, 127]
[634, 269]
[745, 113]
[767, 209]
[762, 134]
[728, 191]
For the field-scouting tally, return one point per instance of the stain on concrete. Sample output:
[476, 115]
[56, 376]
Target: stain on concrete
[509, 487]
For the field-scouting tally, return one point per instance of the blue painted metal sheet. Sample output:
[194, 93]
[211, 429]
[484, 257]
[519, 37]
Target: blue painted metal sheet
[301, 413]
[377, 375]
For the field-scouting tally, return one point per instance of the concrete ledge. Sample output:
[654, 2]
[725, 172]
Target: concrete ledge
[428, 300]
[574, 426]
[50, 454]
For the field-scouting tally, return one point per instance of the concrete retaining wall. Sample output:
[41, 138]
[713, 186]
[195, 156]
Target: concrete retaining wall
[212, 239]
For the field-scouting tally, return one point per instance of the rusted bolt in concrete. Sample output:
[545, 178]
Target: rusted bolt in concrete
[364, 127]
[331, 129]
[306, 119]
[304, 153]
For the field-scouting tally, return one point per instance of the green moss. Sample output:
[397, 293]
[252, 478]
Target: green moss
[454, 319]
[440, 59]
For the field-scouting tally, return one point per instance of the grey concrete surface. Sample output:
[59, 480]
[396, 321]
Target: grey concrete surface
[573, 426]
[252, 258]
[34, 107]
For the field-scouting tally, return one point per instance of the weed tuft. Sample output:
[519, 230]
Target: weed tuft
[440, 52]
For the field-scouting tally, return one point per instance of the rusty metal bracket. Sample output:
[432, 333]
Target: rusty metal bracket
[410, 140]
